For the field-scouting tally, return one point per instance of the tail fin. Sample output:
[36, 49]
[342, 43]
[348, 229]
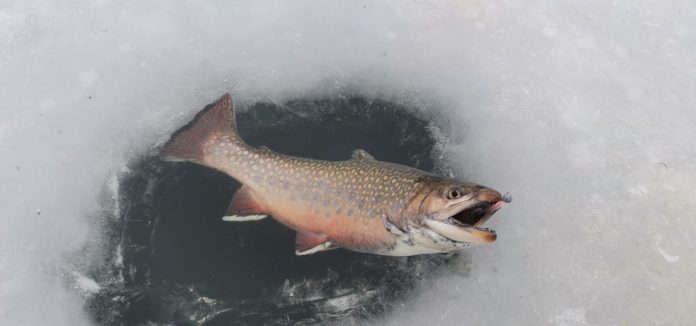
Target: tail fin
[187, 143]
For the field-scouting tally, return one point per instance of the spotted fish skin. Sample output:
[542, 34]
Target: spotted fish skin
[344, 200]
[346, 203]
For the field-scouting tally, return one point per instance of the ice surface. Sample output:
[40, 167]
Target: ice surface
[583, 111]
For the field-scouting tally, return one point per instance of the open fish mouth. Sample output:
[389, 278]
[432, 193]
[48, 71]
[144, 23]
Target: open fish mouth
[466, 225]
[476, 215]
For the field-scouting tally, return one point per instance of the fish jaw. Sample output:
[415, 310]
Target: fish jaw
[428, 235]
[461, 233]
[461, 227]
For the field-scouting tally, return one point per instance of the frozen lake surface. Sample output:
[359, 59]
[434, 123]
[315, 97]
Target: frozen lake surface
[585, 112]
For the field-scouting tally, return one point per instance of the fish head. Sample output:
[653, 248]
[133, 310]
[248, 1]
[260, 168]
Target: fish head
[456, 211]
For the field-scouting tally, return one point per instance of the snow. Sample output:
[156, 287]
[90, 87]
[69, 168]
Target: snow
[583, 111]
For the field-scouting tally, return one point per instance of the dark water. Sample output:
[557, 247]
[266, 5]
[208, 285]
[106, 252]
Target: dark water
[182, 265]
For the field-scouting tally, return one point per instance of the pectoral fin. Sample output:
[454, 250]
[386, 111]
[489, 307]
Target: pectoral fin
[392, 227]
[244, 207]
[396, 230]
[307, 243]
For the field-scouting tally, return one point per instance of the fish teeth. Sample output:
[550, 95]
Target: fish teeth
[486, 230]
[454, 221]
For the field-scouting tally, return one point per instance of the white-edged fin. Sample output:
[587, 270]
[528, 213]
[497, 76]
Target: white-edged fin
[307, 243]
[321, 247]
[244, 207]
[243, 218]
[391, 227]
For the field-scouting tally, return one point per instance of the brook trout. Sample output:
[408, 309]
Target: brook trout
[360, 204]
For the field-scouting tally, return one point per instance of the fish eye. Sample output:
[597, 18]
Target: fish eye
[454, 194]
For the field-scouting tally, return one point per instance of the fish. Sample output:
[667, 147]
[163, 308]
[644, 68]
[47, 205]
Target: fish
[360, 204]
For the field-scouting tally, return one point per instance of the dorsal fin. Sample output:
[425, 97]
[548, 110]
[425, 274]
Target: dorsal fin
[361, 154]
[265, 148]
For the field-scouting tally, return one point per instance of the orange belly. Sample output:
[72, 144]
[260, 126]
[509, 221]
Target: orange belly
[339, 223]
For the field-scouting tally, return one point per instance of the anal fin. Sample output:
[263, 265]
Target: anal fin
[243, 218]
[244, 207]
[307, 243]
